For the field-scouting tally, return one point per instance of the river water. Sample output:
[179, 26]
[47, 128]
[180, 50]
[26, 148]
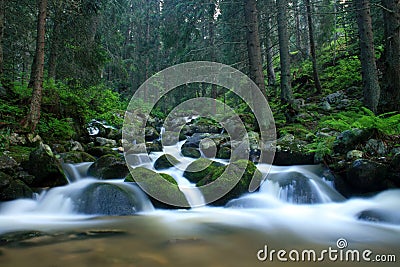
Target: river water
[295, 210]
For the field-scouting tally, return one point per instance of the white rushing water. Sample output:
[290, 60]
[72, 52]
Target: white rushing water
[298, 199]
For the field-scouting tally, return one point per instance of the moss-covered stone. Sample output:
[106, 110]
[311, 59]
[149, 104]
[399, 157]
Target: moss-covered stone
[7, 164]
[231, 175]
[191, 152]
[202, 169]
[5, 180]
[13, 189]
[45, 167]
[224, 153]
[109, 167]
[111, 199]
[76, 157]
[165, 161]
[20, 153]
[158, 187]
[99, 151]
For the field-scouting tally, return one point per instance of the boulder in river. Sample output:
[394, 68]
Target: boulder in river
[109, 167]
[191, 152]
[165, 161]
[366, 175]
[111, 199]
[11, 189]
[76, 157]
[230, 176]
[45, 167]
[161, 188]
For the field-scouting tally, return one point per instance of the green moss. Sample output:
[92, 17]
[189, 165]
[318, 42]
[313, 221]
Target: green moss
[20, 153]
[168, 178]
[165, 161]
[158, 187]
[202, 169]
[227, 177]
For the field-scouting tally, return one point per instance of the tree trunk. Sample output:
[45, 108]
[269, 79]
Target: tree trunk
[2, 13]
[37, 70]
[391, 77]
[296, 5]
[55, 45]
[371, 87]
[269, 50]
[286, 90]
[317, 82]
[253, 45]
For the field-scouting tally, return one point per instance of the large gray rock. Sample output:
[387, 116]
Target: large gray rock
[7, 164]
[156, 188]
[109, 167]
[191, 152]
[101, 141]
[290, 151]
[76, 157]
[99, 151]
[348, 139]
[151, 134]
[335, 98]
[165, 161]
[367, 176]
[376, 147]
[111, 199]
[45, 167]
[11, 189]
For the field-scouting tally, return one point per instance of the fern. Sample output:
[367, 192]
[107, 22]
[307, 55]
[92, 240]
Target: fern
[388, 123]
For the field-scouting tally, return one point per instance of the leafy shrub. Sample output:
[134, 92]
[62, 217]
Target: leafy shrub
[56, 129]
[388, 123]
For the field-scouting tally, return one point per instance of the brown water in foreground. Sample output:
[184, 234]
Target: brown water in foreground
[153, 241]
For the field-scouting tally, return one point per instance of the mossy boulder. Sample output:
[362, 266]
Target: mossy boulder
[7, 164]
[165, 161]
[230, 176]
[76, 157]
[111, 199]
[224, 153]
[154, 146]
[203, 169]
[20, 153]
[292, 151]
[159, 187]
[395, 163]
[191, 152]
[45, 167]
[151, 134]
[109, 167]
[366, 175]
[99, 151]
[349, 139]
[11, 189]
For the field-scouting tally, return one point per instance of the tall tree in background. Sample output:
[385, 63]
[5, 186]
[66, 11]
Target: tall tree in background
[2, 11]
[317, 82]
[391, 77]
[268, 44]
[371, 87]
[286, 90]
[253, 44]
[37, 69]
[56, 37]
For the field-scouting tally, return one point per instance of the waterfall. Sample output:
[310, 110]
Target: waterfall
[299, 185]
[76, 172]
